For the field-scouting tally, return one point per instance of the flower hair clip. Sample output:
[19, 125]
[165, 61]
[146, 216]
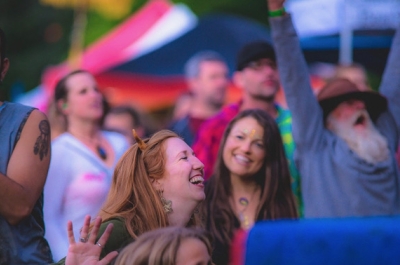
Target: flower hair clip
[141, 144]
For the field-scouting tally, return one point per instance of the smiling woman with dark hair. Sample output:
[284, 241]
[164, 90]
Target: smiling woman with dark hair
[251, 181]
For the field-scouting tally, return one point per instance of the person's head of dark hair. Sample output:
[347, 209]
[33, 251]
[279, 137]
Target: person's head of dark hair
[61, 90]
[192, 66]
[125, 109]
[275, 159]
[254, 51]
[61, 93]
[276, 199]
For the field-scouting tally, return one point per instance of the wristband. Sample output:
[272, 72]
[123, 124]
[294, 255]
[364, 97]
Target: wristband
[277, 13]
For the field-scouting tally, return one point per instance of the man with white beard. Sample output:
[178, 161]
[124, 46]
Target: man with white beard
[351, 121]
[345, 138]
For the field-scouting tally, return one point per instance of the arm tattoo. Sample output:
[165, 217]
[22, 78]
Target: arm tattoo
[41, 147]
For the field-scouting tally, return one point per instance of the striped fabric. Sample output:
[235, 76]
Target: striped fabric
[284, 121]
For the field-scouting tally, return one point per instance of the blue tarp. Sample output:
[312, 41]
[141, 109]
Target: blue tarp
[368, 241]
[226, 33]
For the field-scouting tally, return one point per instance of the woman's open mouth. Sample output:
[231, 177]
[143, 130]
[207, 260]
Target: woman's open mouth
[197, 180]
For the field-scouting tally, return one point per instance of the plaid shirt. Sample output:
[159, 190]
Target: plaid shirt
[206, 144]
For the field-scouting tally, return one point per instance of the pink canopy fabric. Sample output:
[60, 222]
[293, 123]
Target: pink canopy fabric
[137, 35]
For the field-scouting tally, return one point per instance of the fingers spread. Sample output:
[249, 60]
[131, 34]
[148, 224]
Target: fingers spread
[104, 237]
[85, 228]
[95, 229]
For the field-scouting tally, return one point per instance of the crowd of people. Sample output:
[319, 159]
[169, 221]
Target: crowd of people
[182, 194]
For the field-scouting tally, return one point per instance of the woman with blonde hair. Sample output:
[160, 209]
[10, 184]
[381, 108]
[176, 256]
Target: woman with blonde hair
[251, 181]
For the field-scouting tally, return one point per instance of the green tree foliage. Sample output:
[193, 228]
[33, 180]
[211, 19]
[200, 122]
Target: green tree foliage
[37, 36]
[254, 9]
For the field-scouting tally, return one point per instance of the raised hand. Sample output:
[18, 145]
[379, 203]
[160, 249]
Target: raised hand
[87, 251]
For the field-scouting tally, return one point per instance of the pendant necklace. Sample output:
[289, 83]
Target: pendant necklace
[244, 219]
[102, 153]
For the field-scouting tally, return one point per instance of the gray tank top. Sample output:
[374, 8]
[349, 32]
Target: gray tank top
[23, 243]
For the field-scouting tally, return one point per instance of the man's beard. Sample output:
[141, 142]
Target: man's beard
[216, 104]
[216, 101]
[266, 97]
[367, 143]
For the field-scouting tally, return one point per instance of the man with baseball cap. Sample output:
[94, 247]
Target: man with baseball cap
[345, 138]
[257, 75]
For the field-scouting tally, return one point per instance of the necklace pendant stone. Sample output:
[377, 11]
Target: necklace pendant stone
[102, 152]
[246, 223]
[243, 201]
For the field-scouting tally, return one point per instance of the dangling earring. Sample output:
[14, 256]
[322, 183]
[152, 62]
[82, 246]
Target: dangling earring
[167, 204]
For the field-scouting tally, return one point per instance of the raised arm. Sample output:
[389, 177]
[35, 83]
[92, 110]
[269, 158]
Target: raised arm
[293, 71]
[390, 86]
[26, 170]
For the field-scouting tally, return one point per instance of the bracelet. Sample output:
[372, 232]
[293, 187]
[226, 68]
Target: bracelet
[277, 13]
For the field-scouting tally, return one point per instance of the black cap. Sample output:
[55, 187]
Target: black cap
[254, 51]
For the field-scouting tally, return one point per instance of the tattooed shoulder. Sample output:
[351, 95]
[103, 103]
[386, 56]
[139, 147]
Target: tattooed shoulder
[42, 143]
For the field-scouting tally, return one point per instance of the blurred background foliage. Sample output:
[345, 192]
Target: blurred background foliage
[38, 34]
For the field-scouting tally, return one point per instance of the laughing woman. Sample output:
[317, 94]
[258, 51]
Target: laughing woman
[251, 181]
[157, 183]
[82, 160]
